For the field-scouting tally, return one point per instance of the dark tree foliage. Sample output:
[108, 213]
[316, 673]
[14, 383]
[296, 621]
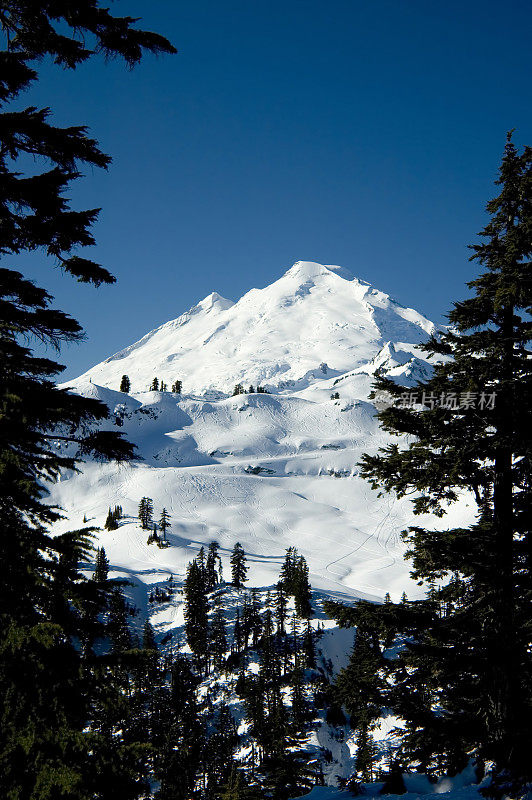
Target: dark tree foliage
[196, 610]
[47, 666]
[146, 512]
[213, 566]
[164, 522]
[239, 567]
[101, 570]
[463, 684]
[110, 523]
[125, 384]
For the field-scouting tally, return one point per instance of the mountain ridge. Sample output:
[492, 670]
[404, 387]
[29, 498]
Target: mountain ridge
[314, 314]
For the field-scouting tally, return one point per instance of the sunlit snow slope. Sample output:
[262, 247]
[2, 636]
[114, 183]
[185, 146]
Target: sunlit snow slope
[268, 470]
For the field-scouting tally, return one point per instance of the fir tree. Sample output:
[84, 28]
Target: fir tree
[217, 639]
[211, 564]
[154, 385]
[239, 567]
[239, 389]
[110, 522]
[164, 522]
[474, 433]
[101, 570]
[281, 605]
[125, 384]
[301, 588]
[146, 512]
[365, 755]
[196, 608]
[46, 748]
[176, 387]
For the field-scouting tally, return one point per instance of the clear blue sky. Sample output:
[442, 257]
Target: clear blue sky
[344, 132]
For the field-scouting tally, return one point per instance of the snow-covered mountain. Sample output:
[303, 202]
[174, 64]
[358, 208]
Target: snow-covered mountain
[316, 321]
[269, 470]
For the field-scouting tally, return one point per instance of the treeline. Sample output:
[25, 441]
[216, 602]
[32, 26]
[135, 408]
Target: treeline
[161, 386]
[155, 385]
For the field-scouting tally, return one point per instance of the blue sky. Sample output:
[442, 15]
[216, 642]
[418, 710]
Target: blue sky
[344, 132]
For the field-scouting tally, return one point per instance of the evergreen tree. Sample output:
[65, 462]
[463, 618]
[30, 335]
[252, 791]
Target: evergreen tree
[211, 564]
[217, 639]
[125, 384]
[46, 749]
[176, 387]
[239, 389]
[154, 385]
[287, 574]
[164, 522]
[146, 512]
[365, 755]
[221, 750]
[196, 609]
[281, 605]
[110, 522]
[239, 567]
[101, 570]
[148, 637]
[163, 387]
[467, 674]
[360, 684]
[301, 588]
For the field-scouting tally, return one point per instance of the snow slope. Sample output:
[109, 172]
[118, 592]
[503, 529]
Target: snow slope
[269, 470]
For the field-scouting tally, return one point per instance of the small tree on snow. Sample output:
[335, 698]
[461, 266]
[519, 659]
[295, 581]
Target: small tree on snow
[125, 384]
[164, 522]
[146, 512]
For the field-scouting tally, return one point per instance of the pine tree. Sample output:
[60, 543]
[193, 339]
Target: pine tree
[473, 434]
[301, 588]
[360, 684]
[101, 570]
[217, 639]
[118, 626]
[365, 755]
[211, 564]
[154, 385]
[110, 522]
[196, 609]
[239, 567]
[287, 574]
[146, 512]
[239, 389]
[176, 387]
[163, 387]
[164, 522]
[281, 605]
[148, 637]
[125, 384]
[46, 749]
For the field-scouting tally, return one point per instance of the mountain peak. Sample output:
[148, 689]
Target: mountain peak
[215, 299]
[310, 270]
[278, 336]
